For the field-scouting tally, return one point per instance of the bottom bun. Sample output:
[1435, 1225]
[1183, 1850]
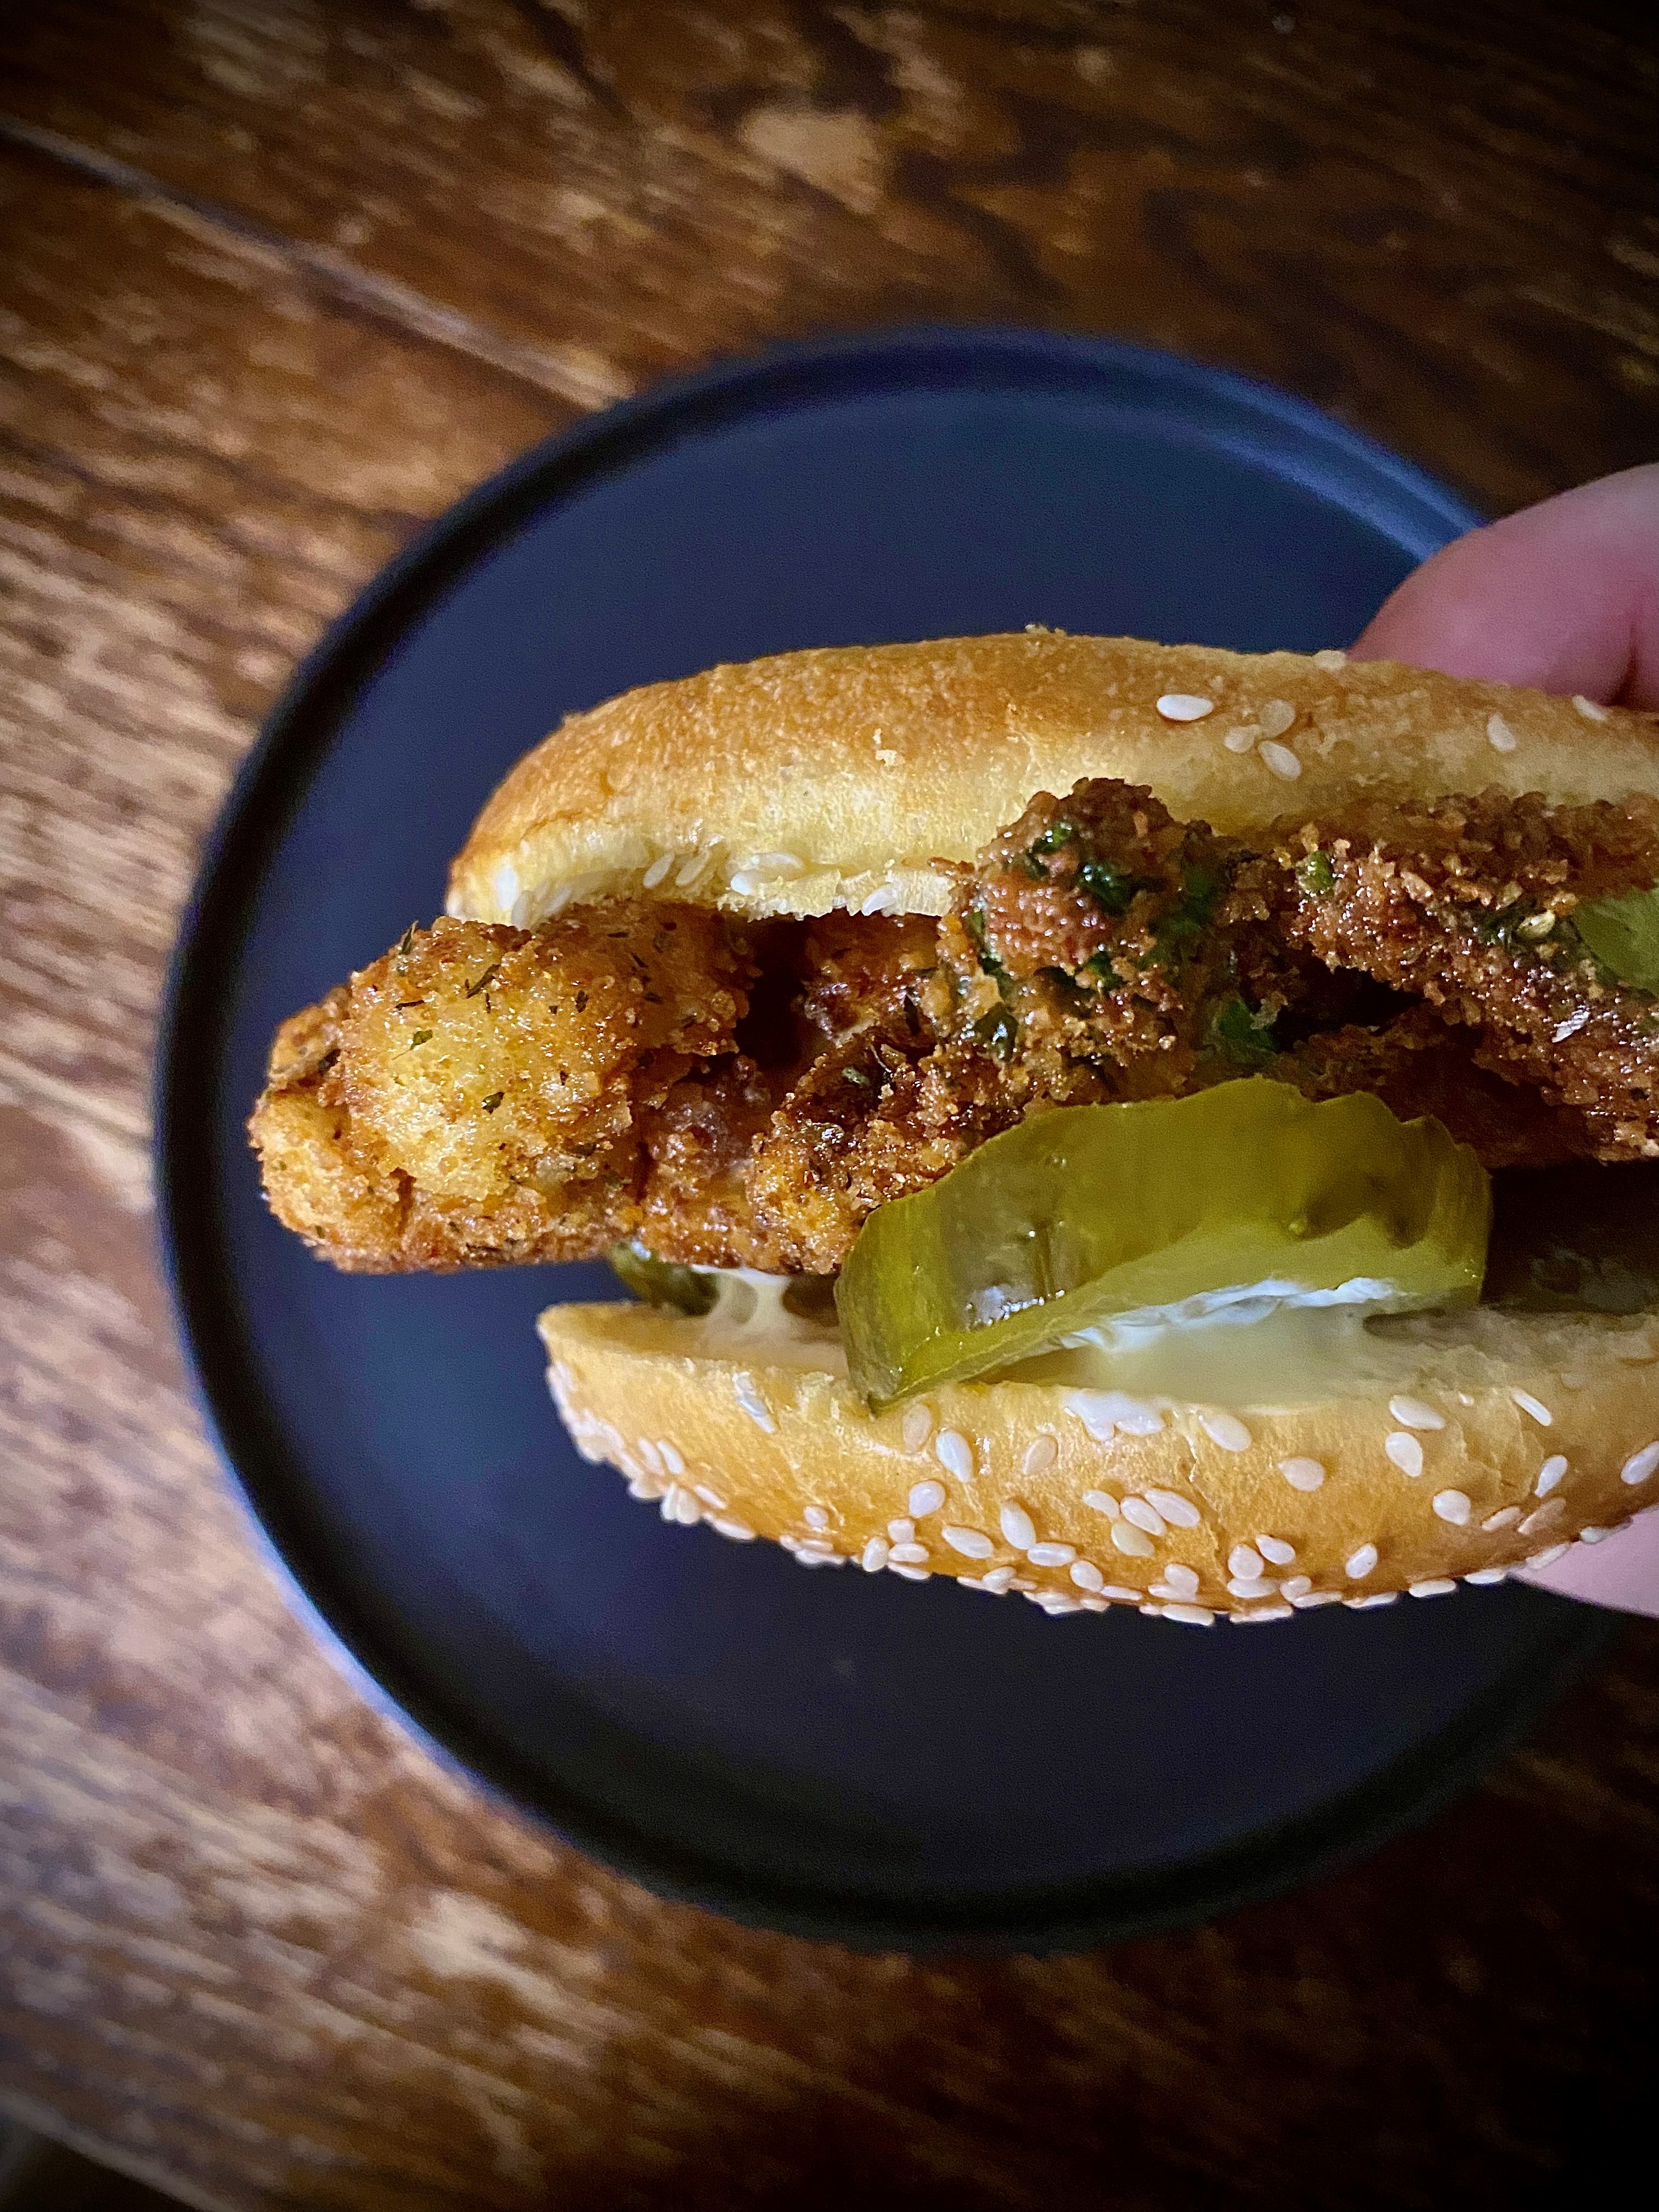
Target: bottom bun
[1458, 1446]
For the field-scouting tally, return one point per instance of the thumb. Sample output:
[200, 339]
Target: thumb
[1564, 596]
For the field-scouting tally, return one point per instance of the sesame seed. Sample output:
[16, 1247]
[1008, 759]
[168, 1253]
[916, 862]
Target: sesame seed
[652, 1458]
[1539, 1411]
[1087, 1576]
[1182, 1580]
[640, 1486]
[910, 1574]
[1482, 1576]
[1302, 1474]
[1499, 736]
[1405, 1452]
[873, 1558]
[1593, 1535]
[1017, 1527]
[1549, 1474]
[816, 1517]
[749, 1399]
[1413, 1414]
[1276, 717]
[1505, 1517]
[1101, 1501]
[817, 1547]
[1184, 707]
[1123, 1596]
[997, 1579]
[1452, 1505]
[926, 1497]
[1279, 758]
[1252, 1586]
[1179, 1511]
[1295, 1587]
[1589, 708]
[1092, 1605]
[1227, 1431]
[1330, 659]
[1359, 1564]
[658, 869]
[1548, 1556]
[1241, 739]
[1276, 1550]
[1242, 1560]
[1309, 1599]
[687, 1511]
[738, 1531]
[1264, 1613]
[1056, 1601]
[908, 1555]
[697, 865]
[902, 1532]
[915, 1428]
[670, 1457]
[1542, 1515]
[972, 1543]
[1051, 1555]
[1365, 1604]
[1145, 1514]
[1131, 1540]
[1436, 1586]
[710, 1497]
[1040, 1456]
[1191, 1616]
[1641, 1466]
[954, 1454]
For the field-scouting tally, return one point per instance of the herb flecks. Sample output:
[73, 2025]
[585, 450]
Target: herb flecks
[494, 1100]
[1316, 874]
[420, 1036]
[1112, 889]
[1241, 1034]
[489, 975]
[999, 1032]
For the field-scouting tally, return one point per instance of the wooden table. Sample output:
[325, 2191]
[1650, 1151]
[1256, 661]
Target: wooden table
[280, 278]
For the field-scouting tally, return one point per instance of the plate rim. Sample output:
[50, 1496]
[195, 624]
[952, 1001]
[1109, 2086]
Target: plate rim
[297, 729]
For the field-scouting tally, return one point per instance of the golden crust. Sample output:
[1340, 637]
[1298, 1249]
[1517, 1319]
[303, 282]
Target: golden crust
[1550, 1422]
[840, 776]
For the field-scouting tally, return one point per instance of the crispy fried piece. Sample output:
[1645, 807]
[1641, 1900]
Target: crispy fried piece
[1418, 1064]
[1467, 904]
[1092, 920]
[738, 1095]
[476, 1094]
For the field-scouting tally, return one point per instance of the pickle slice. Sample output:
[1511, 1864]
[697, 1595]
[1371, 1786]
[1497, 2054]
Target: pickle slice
[1092, 1212]
[664, 1282]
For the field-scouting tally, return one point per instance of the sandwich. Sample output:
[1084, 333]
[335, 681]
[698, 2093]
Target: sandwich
[1118, 1123]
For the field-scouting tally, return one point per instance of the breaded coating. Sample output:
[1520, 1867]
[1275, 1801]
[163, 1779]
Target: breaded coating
[1418, 1064]
[1466, 903]
[731, 1093]
[488, 1085]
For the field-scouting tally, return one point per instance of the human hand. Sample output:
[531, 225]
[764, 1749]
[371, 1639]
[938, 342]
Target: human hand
[1564, 596]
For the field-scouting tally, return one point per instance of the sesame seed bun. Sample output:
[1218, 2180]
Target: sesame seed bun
[840, 777]
[1477, 1441]
[1470, 1444]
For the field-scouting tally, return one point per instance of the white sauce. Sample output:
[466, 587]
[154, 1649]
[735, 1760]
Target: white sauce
[1260, 1347]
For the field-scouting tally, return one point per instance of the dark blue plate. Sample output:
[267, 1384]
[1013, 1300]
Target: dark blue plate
[845, 1755]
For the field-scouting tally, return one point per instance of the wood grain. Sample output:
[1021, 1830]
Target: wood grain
[278, 280]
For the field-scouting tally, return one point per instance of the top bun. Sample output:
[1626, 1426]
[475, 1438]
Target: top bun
[840, 777]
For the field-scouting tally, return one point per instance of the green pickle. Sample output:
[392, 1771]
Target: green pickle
[663, 1282]
[1089, 1213]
